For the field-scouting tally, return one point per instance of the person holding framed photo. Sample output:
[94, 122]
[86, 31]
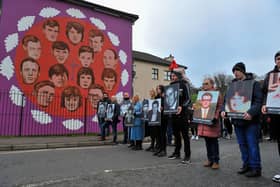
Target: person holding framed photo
[248, 127]
[274, 118]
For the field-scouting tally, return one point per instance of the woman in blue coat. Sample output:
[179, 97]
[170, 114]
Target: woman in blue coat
[137, 131]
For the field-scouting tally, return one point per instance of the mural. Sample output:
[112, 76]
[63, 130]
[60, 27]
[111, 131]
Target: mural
[57, 59]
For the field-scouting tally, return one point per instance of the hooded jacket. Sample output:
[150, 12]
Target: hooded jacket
[256, 103]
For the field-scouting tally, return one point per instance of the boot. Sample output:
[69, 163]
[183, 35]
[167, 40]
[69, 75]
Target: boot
[132, 144]
[162, 153]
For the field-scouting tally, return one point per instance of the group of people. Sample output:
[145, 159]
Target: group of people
[246, 125]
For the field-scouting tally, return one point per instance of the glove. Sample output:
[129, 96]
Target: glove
[214, 121]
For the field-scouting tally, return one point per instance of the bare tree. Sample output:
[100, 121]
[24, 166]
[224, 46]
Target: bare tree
[222, 81]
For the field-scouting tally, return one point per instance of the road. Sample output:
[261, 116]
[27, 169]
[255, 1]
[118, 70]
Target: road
[120, 166]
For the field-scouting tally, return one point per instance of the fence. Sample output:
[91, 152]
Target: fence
[20, 115]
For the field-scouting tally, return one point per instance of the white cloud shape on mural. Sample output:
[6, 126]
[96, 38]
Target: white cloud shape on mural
[41, 117]
[11, 41]
[49, 12]
[7, 68]
[114, 38]
[76, 13]
[16, 96]
[123, 57]
[72, 124]
[25, 23]
[98, 23]
[124, 77]
[95, 118]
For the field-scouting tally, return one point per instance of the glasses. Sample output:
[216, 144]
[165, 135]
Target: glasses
[205, 83]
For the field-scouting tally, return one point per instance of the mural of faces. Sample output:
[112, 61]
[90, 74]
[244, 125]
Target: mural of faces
[67, 51]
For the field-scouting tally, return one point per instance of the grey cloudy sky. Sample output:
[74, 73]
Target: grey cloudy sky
[207, 36]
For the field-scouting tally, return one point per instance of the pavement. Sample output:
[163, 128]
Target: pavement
[50, 142]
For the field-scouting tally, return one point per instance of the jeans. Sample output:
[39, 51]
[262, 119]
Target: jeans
[105, 125]
[248, 140]
[212, 147]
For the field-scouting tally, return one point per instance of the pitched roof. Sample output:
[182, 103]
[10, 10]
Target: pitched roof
[146, 57]
[103, 9]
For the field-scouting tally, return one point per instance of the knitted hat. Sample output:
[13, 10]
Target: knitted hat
[276, 55]
[240, 66]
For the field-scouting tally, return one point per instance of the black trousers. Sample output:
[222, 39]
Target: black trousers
[181, 128]
[163, 137]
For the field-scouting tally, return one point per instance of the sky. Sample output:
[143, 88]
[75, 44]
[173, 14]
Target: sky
[208, 37]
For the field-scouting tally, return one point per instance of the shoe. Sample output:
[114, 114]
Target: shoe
[207, 163]
[186, 160]
[131, 145]
[156, 153]
[276, 178]
[243, 170]
[215, 166]
[196, 138]
[193, 137]
[174, 156]
[254, 173]
[162, 154]
[137, 148]
[149, 148]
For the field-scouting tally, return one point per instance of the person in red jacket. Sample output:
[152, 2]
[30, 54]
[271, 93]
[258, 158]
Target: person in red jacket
[211, 133]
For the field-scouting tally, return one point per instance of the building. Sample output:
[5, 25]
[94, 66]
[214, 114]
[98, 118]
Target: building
[149, 71]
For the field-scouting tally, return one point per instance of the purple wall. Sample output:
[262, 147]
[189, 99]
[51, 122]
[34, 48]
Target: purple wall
[20, 18]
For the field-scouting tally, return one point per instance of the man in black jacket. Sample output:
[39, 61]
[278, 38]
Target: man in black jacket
[248, 127]
[180, 123]
[275, 119]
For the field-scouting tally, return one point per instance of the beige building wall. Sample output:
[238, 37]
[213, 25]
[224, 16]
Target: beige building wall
[143, 82]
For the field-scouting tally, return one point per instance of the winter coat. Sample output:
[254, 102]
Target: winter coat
[137, 131]
[214, 130]
[275, 119]
[256, 103]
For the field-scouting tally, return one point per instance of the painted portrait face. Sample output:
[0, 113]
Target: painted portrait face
[109, 59]
[109, 83]
[85, 81]
[86, 59]
[72, 103]
[74, 36]
[59, 80]
[61, 55]
[96, 43]
[237, 102]
[29, 72]
[95, 95]
[34, 49]
[170, 97]
[45, 95]
[206, 101]
[51, 33]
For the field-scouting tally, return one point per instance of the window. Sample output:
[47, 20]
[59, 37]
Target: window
[155, 74]
[167, 75]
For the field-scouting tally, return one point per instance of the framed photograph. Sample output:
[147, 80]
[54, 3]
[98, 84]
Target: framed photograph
[205, 107]
[238, 98]
[101, 112]
[110, 111]
[124, 107]
[129, 117]
[145, 109]
[171, 98]
[154, 113]
[273, 94]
